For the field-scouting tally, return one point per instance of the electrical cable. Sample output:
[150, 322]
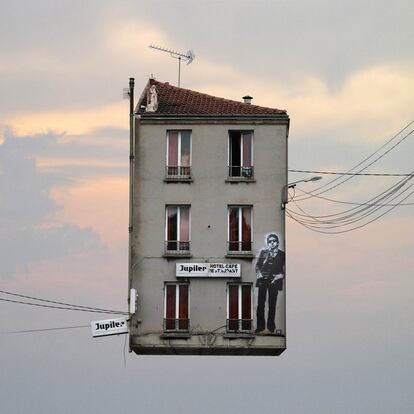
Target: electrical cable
[348, 173]
[60, 303]
[361, 162]
[355, 214]
[348, 219]
[313, 228]
[63, 307]
[346, 202]
[44, 329]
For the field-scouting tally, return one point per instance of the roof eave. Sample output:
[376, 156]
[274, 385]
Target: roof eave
[164, 117]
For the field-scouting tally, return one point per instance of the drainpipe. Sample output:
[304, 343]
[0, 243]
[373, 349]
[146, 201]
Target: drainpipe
[131, 189]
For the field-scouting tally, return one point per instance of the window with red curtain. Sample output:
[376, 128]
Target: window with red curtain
[177, 228]
[176, 307]
[170, 308]
[240, 228]
[179, 153]
[239, 310]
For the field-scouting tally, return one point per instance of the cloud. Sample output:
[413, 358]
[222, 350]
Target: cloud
[27, 235]
[101, 204]
[74, 121]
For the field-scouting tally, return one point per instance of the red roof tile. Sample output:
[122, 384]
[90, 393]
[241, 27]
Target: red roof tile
[179, 101]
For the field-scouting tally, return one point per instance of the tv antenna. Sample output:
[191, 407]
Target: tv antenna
[187, 57]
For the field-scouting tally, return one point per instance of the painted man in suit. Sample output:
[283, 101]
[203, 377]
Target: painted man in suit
[270, 272]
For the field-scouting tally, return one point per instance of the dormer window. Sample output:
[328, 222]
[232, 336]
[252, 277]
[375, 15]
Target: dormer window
[178, 155]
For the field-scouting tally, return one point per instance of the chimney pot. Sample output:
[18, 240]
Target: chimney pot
[247, 99]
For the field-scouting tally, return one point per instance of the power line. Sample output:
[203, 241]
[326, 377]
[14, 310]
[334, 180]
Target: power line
[317, 223]
[45, 329]
[350, 202]
[355, 214]
[361, 162]
[353, 174]
[347, 230]
[63, 307]
[101, 310]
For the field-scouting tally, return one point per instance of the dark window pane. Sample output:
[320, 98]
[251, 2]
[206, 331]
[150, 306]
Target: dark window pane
[235, 154]
[233, 228]
[246, 308]
[183, 307]
[246, 228]
[170, 307]
[172, 228]
[233, 307]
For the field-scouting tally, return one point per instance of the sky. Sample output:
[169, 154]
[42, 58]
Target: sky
[344, 71]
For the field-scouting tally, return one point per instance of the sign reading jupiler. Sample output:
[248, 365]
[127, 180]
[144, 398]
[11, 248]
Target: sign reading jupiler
[208, 269]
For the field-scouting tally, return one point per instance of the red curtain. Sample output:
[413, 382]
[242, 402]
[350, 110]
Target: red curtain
[233, 307]
[185, 224]
[170, 307]
[246, 307]
[247, 150]
[183, 307]
[172, 149]
[246, 228]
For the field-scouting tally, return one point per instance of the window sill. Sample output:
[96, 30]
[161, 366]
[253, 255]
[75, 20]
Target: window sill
[187, 180]
[177, 255]
[237, 335]
[176, 335]
[243, 255]
[233, 180]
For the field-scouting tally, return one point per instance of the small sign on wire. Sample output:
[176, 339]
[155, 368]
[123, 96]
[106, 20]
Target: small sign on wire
[109, 327]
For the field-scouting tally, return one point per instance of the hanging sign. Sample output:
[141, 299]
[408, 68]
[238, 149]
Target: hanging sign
[208, 269]
[109, 327]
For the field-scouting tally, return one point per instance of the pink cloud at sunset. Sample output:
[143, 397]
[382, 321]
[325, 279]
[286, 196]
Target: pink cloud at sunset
[100, 204]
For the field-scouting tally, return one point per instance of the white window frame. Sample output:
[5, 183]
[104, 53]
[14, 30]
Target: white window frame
[243, 132]
[179, 131]
[178, 206]
[240, 224]
[240, 302]
[177, 302]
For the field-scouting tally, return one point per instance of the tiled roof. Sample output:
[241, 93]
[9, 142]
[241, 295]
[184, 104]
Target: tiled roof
[179, 101]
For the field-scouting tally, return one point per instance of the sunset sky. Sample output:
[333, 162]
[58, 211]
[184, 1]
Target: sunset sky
[344, 71]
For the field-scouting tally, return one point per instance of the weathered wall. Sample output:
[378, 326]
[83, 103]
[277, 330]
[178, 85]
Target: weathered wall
[209, 196]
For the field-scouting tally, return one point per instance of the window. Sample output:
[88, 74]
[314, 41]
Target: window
[241, 154]
[240, 229]
[239, 307]
[178, 155]
[177, 230]
[176, 301]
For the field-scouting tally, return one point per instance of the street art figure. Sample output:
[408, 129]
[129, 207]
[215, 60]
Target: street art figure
[270, 272]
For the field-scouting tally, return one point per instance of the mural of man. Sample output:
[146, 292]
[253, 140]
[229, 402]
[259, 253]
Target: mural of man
[270, 272]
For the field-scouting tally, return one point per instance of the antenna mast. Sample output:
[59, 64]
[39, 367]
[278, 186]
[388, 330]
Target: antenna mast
[187, 57]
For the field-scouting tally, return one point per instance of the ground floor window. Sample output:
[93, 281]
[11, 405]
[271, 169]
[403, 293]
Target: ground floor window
[239, 307]
[176, 307]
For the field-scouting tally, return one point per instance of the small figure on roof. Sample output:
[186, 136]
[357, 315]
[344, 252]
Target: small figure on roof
[152, 99]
